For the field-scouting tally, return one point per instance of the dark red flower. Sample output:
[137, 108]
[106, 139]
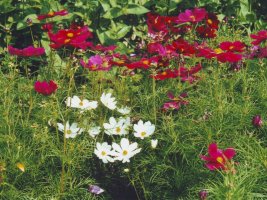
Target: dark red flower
[166, 74]
[175, 103]
[212, 20]
[183, 47]
[188, 74]
[195, 15]
[206, 32]
[45, 88]
[26, 52]
[259, 37]
[206, 53]
[156, 23]
[257, 121]
[52, 14]
[47, 27]
[218, 159]
[236, 46]
[102, 48]
[158, 48]
[71, 37]
[144, 63]
[203, 194]
[229, 57]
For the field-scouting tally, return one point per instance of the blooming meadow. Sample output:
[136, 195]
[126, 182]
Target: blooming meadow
[106, 100]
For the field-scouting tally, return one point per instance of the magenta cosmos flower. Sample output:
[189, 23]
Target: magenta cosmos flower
[26, 52]
[195, 15]
[45, 88]
[52, 14]
[97, 63]
[175, 103]
[218, 159]
[259, 37]
[257, 121]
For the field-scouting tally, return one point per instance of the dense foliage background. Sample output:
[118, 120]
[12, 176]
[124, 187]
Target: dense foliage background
[221, 106]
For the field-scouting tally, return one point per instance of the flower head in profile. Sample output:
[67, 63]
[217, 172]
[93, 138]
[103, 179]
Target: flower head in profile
[175, 103]
[94, 131]
[103, 151]
[94, 189]
[76, 102]
[218, 159]
[257, 121]
[124, 110]
[259, 37]
[108, 101]
[154, 143]
[26, 52]
[125, 150]
[45, 88]
[115, 127]
[70, 131]
[143, 130]
[52, 14]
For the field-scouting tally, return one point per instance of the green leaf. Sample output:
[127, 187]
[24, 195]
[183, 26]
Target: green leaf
[136, 9]
[113, 13]
[121, 33]
[105, 5]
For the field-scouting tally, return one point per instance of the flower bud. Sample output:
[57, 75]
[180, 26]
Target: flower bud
[257, 121]
[203, 194]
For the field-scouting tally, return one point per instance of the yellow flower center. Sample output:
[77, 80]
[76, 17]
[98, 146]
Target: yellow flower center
[193, 17]
[66, 41]
[81, 103]
[231, 47]
[145, 62]
[124, 152]
[209, 21]
[120, 61]
[219, 159]
[143, 133]
[118, 130]
[103, 153]
[51, 14]
[68, 131]
[217, 51]
[164, 73]
[70, 35]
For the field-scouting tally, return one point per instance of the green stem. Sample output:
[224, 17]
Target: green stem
[154, 99]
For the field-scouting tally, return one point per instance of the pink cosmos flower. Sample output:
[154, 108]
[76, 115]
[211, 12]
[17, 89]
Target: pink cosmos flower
[165, 74]
[45, 88]
[26, 52]
[218, 159]
[97, 63]
[259, 37]
[195, 15]
[52, 14]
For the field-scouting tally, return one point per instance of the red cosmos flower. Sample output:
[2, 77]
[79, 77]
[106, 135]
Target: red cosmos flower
[156, 23]
[195, 15]
[166, 74]
[143, 63]
[47, 27]
[175, 103]
[212, 20]
[206, 53]
[229, 57]
[52, 14]
[26, 52]
[236, 46]
[45, 88]
[183, 47]
[99, 47]
[259, 37]
[218, 159]
[206, 32]
[188, 74]
[158, 48]
[97, 63]
[71, 37]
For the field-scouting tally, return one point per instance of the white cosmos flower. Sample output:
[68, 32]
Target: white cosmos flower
[76, 102]
[117, 128]
[154, 143]
[143, 130]
[103, 151]
[125, 150]
[70, 131]
[108, 101]
[95, 130]
[124, 110]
